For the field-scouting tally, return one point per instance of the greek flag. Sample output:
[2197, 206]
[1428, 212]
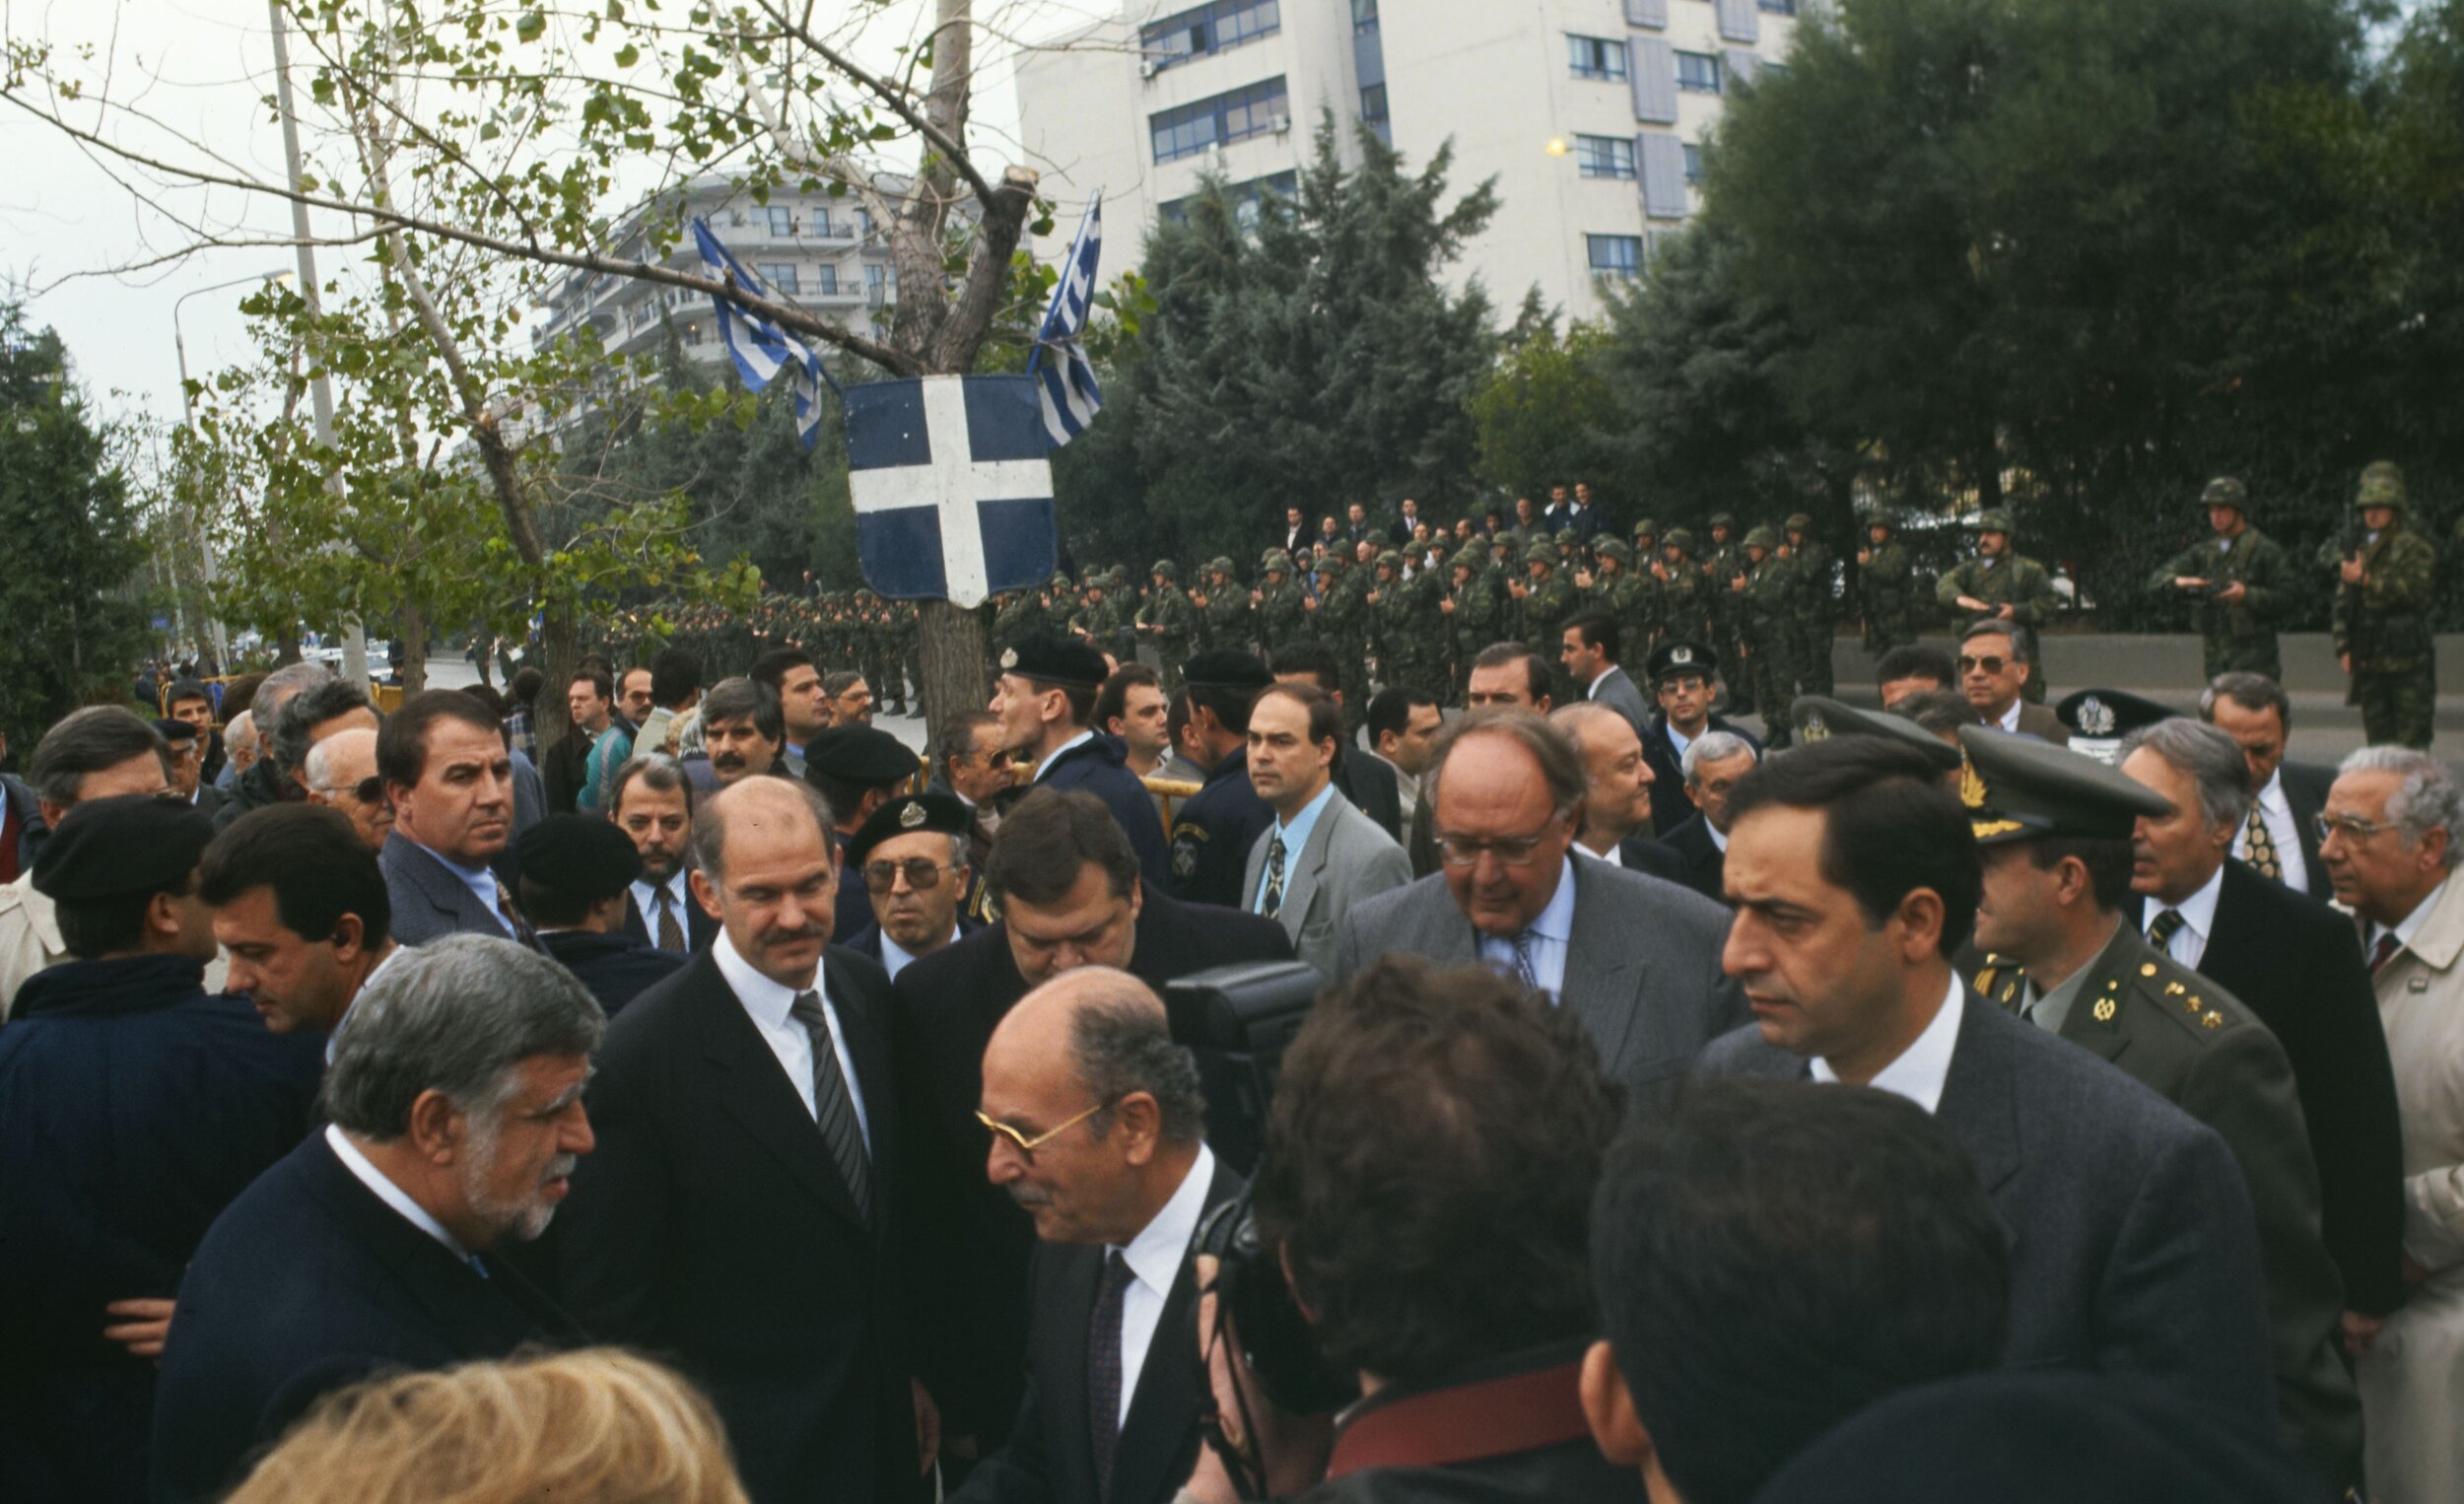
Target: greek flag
[1067, 383]
[762, 351]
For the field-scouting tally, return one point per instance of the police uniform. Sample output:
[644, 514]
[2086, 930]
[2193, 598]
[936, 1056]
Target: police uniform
[1214, 828]
[587, 858]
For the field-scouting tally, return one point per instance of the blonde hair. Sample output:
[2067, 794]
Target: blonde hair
[597, 1426]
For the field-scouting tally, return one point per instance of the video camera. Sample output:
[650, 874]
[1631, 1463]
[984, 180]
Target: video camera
[1238, 1020]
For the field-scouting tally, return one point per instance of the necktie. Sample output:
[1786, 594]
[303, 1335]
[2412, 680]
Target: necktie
[834, 1108]
[1523, 969]
[2263, 848]
[2167, 925]
[1272, 905]
[2385, 951]
[512, 915]
[1103, 1368]
[670, 933]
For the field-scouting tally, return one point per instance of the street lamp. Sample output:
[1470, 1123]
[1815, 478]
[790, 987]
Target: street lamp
[188, 420]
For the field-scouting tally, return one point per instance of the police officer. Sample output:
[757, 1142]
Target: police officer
[1214, 828]
[2383, 598]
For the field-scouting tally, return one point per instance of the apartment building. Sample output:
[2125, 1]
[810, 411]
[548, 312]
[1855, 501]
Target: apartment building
[1591, 114]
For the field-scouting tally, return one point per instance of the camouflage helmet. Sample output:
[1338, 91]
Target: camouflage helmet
[1646, 528]
[1761, 537]
[1612, 548]
[1996, 520]
[1469, 557]
[1167, 568]
[1220, 564]
[1798, 521]
[1093, 575]
[1727, 519]
[1276, 562]
[2225, 491]
[1567, 537]
[1541, 553]
[1679, 538]
[1060, 579]
[2382, 485]
[1879, 518]
[1389, 559]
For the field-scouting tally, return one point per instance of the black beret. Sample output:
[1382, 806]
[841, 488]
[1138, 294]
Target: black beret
[2019, 787]
[134, 843]
[172, 729]
[581, 855]
[1055, 660]
[861, 755]
[1673, 659]
[905, 816]
[1225, 669]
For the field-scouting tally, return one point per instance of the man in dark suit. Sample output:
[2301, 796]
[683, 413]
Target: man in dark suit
[376, 1243]
[1616, 797]
[2279, 837]
[450, 780]
[1996, 666]
[1686, 682]
[1045, 697]
[1070, 895]
[590, 700]
[740, 1215]
[1509, 791]
[1118, 1178]
[1215, 828]
[2133, 1245]
[1713, 765]
[1590, 653]
[576, 873]
[1297, 536]
[134, 1106]
[2296, 964]
[910, 859]
[651, 800]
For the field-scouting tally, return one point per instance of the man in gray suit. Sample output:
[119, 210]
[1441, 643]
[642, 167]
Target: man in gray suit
[1636, 958]
[1322, 856]
[1590, 655]
[2133, 1244]
[450, 780]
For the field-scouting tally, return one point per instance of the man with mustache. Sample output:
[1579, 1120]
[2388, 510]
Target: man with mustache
[450, 780]
[455, 1099]
[743, 729]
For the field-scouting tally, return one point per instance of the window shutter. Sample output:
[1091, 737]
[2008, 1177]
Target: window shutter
[1650, 13]
[1664, 176]
[1741, 66]
[1651, 67]
[1740, 21]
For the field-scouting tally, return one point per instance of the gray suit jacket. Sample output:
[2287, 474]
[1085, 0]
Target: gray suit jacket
[1616, 689]
[2133, 1244]
[1642, 971]
[1345, 859]
[429, 901]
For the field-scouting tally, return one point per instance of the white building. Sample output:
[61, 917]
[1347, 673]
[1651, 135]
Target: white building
[1589, 113]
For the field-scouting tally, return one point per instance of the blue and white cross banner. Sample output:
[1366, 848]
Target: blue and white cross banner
[762, 351]
[1067, 380]
[953, 493]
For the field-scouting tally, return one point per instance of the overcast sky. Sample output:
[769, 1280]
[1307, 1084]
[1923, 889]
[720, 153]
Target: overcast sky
[201, 66]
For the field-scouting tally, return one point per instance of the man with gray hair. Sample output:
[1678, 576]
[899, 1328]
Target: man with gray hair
[1712, 765]
[1098, 1131]
[2388, 839]
[90, 754]
[2296, 965]
[315, 713]
[1637, 959]
[454, 1101]
[265, 781]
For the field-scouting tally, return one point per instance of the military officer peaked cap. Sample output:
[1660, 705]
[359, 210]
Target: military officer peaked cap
[578, 855]
[132, 843]
[1053, 660]
[2021, 789]
[862, 756]
[1818, 717]
[2109, 713]
[1671, 660]
[903, 816]
[2225, 491]
[1225, 669]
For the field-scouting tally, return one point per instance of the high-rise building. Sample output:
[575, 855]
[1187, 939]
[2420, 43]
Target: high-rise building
[1589, 114]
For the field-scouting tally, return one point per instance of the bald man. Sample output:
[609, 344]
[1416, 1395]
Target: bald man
[341, 772]
[1098, 1132]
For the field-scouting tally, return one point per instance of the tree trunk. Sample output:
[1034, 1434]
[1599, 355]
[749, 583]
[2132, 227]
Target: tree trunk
[951, 643]
[560, 650]
[414, 648]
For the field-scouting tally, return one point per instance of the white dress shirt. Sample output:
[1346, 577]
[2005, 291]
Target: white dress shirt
[1154, 1258]
[1719, 836]
[2198, 913]
[1615, 855]
[2009, 719]
[394, 1196]
[646, 899]
[1922, 1068]
[1057, 752]
[2276, 813]
[1551, 934]
[767, 1003]
[1294, 834]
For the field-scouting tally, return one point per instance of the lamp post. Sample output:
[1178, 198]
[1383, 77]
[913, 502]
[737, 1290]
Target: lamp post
[189, 419]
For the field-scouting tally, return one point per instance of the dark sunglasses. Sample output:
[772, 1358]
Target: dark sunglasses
[1988, 664]
[368, 791]
[921, 875]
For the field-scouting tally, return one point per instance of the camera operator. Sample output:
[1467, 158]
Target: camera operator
[1431, 1158]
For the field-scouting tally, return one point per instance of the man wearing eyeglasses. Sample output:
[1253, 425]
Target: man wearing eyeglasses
[910, 855]
[1995, 666]
[1637, 959]
[342, 774]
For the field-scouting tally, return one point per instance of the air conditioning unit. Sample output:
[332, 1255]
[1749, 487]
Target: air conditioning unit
[1283, 126]
[1146, 68]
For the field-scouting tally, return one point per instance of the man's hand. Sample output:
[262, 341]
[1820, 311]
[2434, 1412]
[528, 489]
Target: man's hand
[2360, 1331]
[2343, 660]
[1971, 603]
[1738, 585]
[1447, 606]
[140, 1325]
[2233, 594]
[928, 1426]
[2006, 613]
[1255, 596]
[1290, 1450]
[2189, 583]
[2352, 570]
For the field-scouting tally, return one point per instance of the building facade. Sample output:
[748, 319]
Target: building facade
[1591, 114]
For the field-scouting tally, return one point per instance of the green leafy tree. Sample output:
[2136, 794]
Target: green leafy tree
[1543, 413]
[76, 626]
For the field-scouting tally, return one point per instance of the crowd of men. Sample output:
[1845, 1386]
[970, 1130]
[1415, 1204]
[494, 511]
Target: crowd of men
[2073, 1096]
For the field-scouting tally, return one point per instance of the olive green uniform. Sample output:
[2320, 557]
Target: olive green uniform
[2383, 624]
[2239, 637]
[1886, 596]
[1810, 620]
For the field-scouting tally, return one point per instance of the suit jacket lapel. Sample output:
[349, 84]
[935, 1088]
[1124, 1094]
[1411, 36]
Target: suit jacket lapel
[1167, 1399]
[1310, 869]
[757, 1094]
[472, 1318]
[1604, 971]
[1082, 1269]
[1979, 1096]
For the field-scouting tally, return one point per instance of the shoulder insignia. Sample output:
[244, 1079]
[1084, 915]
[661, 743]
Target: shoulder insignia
[2146, 968]
[2009, 990]
[2174, 990]
[2104, 1010]
[1985, 978]
[2212, 1020]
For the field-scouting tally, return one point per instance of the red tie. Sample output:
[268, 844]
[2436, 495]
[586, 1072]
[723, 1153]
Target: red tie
[2385, 951]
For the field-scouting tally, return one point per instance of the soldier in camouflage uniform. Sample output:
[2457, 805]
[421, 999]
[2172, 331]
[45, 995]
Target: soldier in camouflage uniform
[1814, 613]
[1223, 611]
[1616, 590]
[1343, 623]
[1167, 622]
[2238, 581]
[1684, 590]
[1280, 604]
[2385, 591]
[1647, 586]
[1548, 600]
[1999, 583]
[1762, 595]
[1887, 595]
[1470, 612]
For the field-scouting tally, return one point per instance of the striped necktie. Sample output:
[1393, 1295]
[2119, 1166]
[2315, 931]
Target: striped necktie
[2385, 951]
[834, 1106]
[1272, 904]
[670, 933]
[2167, 925]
